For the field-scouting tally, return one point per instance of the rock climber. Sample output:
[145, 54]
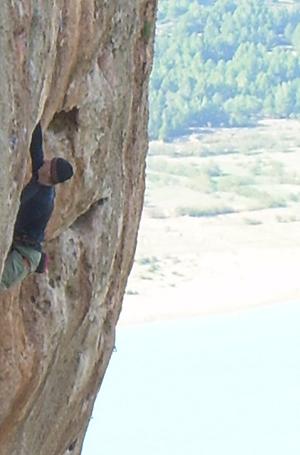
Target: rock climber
[36, 206]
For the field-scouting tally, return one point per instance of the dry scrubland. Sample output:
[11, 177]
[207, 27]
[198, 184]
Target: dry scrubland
[221, 224]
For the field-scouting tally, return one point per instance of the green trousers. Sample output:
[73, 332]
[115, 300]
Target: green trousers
[20, 262]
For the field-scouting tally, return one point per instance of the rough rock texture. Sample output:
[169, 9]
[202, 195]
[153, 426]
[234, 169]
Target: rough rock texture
[82, 66]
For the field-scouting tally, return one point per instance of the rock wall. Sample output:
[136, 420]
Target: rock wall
[82, 67]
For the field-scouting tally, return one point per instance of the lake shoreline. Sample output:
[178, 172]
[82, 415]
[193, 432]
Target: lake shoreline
[134, 313]
[228, 282]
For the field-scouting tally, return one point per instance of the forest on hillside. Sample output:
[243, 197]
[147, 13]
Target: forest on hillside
[224, 63]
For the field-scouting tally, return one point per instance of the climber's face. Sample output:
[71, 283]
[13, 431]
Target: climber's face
[44, 173]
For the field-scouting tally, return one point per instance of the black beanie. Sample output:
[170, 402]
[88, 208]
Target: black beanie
[61, 170]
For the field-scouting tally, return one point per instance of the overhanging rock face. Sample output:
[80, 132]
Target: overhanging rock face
[82, 67]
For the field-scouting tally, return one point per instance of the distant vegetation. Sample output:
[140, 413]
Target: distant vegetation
[224, 63]
[225, 171]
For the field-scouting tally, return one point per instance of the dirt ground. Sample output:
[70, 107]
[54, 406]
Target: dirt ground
[205, 266]
[188, 266]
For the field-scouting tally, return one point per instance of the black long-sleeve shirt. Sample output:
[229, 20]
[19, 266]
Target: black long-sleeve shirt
[37, 200]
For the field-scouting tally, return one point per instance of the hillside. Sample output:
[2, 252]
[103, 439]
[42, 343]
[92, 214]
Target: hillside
[224, 63]
[220, 226]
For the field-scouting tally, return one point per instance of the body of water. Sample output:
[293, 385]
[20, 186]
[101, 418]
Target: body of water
[217, 385]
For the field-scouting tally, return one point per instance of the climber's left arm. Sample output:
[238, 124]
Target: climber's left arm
[36, 148]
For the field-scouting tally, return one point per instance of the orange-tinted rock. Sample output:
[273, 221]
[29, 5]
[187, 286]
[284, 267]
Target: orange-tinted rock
[82, 66]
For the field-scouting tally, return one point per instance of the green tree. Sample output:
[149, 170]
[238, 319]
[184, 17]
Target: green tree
[296, 38]
[223, 62]
[283, 100]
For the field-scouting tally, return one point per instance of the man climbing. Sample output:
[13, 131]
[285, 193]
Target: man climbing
[36, 207]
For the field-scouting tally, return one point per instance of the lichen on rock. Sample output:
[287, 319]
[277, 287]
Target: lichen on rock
[82, 67]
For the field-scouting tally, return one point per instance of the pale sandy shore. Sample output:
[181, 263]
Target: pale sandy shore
[188, 266]
[234, 268]
[195, 299]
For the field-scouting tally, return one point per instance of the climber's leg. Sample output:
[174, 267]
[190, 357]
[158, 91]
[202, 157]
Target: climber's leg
[20, 262]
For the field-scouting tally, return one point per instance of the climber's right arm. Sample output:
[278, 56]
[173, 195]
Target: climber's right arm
[36, 148]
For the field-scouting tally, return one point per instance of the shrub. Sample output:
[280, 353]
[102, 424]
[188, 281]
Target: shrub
[203, 212]
[252, 221]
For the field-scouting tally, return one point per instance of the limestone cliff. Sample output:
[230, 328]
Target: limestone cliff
[82, 67]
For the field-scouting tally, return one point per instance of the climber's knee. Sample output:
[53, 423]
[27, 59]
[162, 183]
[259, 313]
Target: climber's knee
[19, 263]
